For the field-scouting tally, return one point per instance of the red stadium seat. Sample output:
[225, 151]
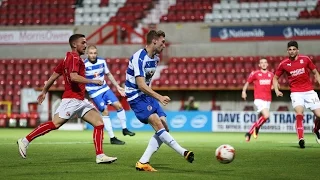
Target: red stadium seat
[216, 107]
[248, 108]
[283, 108]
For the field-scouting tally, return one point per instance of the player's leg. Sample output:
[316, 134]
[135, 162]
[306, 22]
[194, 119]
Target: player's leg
[188, 155]
[265, 114]
[166, 137]
[41, 130]
[123, 119]
[113, 100]
[262, 108]
[108, 126]
[163, 134]
[155, 142]
[153, 145]
[148, 112]
[102, 106]
[316, 128]
[65, 111]
[140, 108]
[89, 114]
[297, 100]
[313, 103]
[299, 125]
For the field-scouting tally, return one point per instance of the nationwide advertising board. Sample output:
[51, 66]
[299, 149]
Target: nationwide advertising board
[265, 32]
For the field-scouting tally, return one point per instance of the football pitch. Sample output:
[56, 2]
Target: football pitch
[71, 155]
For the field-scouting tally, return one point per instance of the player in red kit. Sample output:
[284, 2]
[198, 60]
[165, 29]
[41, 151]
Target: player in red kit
[73, 100]
[262, 80]
[297, 67]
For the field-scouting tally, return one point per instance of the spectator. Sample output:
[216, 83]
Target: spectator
[191, 105]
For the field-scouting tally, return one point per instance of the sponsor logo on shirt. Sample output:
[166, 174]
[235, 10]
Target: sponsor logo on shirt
[265, 81]
[301, 61]
[297, 72]
[96, 74]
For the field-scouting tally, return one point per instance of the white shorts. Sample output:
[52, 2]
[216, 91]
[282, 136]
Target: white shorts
[70, 107]
[309, 99]
[261, 104]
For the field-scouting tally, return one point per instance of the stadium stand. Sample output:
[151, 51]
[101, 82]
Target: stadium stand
[245, 11]
[214, 72]
[98, 12]
[36, 12]
[182, 73]
[188, 11]
[193, 73]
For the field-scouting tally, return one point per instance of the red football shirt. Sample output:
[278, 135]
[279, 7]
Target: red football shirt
[72, 63]
[262, 84]
[298, 73]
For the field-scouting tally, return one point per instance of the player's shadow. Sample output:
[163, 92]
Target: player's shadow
[307, 147]
[76, 160]
[167, 167]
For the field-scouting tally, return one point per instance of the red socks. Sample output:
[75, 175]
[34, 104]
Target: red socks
[252, 127]
[42, 129]
[98, 138]
[261, 121]
[299, 126]
[257, 124]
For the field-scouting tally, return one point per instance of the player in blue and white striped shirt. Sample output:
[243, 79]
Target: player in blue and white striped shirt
[144, 101]
[102, 96]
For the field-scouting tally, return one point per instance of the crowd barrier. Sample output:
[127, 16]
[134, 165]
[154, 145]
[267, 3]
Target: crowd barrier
[218, 121]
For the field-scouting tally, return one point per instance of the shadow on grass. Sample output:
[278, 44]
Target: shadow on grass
[169, 168]
[307, 147]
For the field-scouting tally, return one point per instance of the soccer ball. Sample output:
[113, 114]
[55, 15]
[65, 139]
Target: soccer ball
[225, 153]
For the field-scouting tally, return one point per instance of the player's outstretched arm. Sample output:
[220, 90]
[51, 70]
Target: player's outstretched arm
[244, 91]
[47, 86]
[147, 90]
[276, 86]
[115, 83]
[316, 75]
[75, 77]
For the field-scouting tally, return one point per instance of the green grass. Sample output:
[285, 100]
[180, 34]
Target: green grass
[70, 155]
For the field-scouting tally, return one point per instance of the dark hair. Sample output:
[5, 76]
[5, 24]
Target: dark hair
[75, 37]
[153, 34]
[293, 43]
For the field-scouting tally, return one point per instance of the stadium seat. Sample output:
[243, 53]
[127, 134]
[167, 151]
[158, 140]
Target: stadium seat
[187, 11]
[216, 107]
[248, 108]
[260, 10]
[51, 13]
[283, 108]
